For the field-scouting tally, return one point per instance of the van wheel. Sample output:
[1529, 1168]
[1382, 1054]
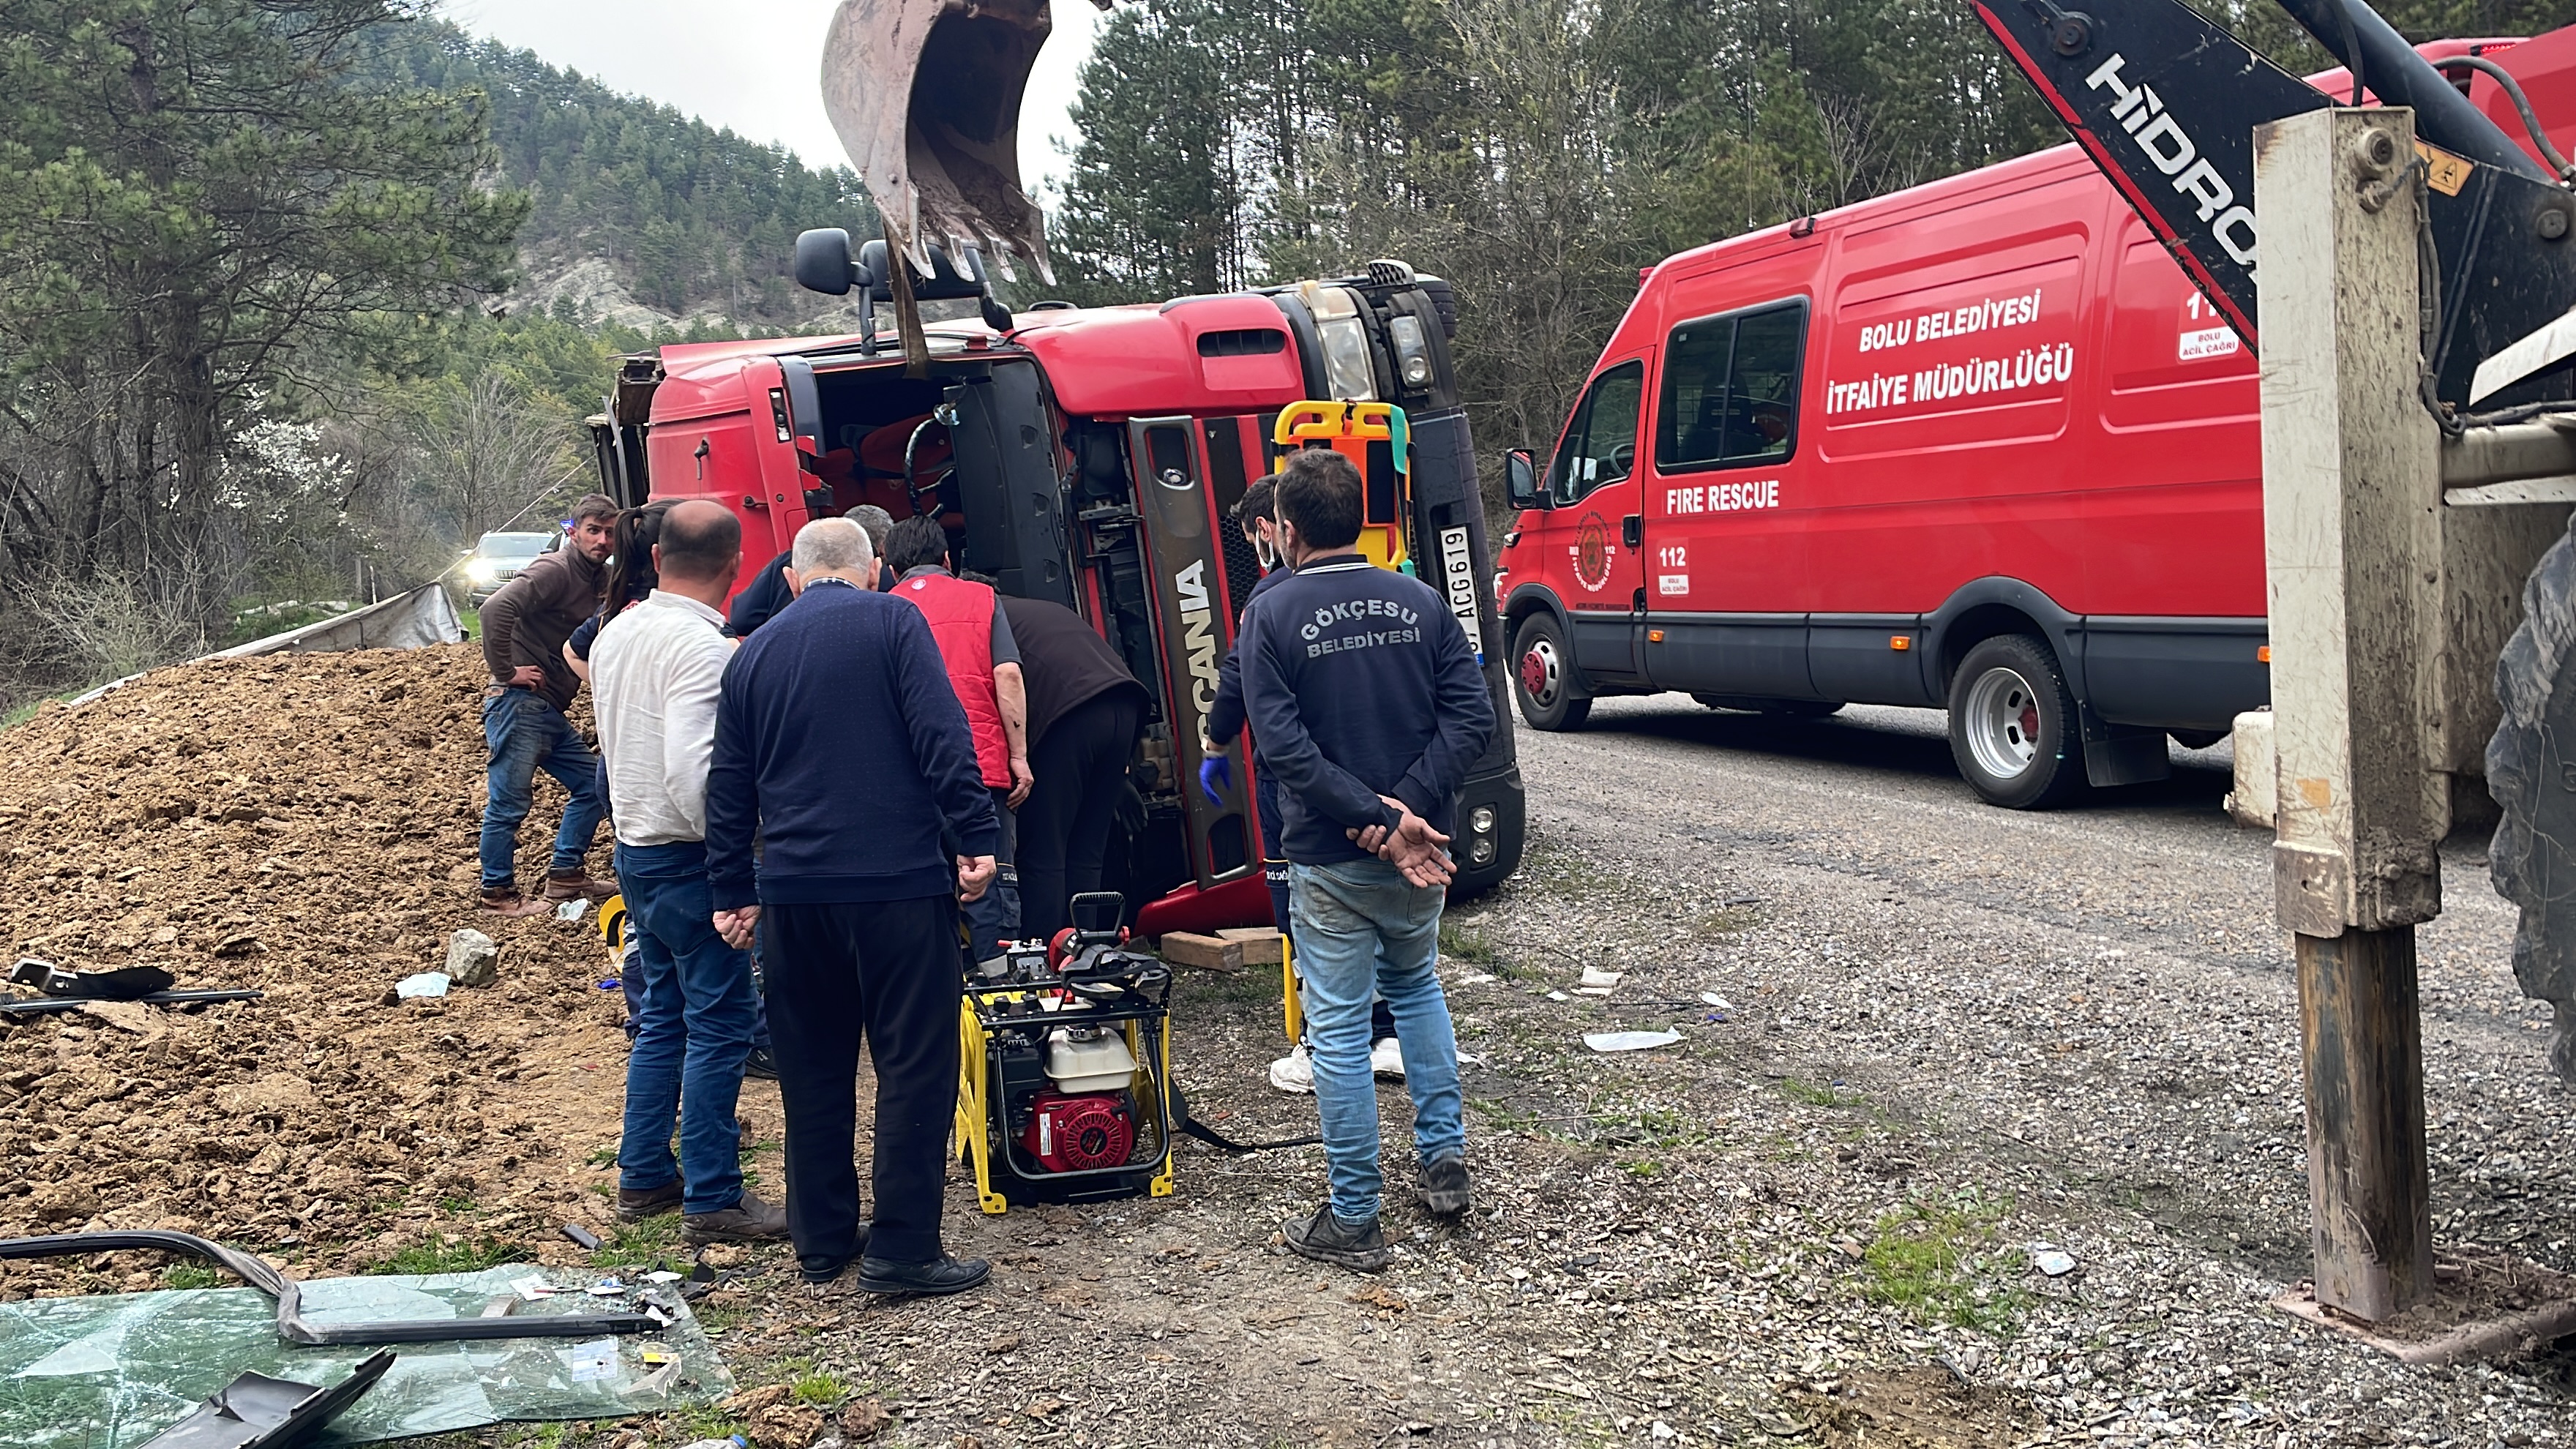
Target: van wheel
[2012, 724]
[1544, 681]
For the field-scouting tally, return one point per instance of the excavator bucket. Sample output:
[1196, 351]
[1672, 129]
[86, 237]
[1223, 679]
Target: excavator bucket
[926, 97]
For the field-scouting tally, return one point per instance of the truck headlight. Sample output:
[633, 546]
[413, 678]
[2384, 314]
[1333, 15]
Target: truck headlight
[1412, 353]
[1482, 852]
[482, 571]
[1481, 820]
[1346, 359]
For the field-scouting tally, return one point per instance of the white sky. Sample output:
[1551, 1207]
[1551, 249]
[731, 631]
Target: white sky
[753, 65]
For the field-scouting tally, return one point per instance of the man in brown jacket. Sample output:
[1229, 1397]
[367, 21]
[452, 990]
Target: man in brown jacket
[524, 629]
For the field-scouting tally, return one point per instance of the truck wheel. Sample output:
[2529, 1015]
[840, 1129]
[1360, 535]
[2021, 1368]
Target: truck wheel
[2012, 724]
[1544, 680]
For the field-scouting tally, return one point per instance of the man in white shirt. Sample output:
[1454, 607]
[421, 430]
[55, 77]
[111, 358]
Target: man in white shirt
[656, 670]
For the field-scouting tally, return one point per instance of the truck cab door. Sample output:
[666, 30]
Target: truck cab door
[787, 426]
[1183, 548]
[1598, 524]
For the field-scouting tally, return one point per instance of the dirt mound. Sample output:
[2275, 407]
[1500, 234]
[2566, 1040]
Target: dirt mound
[305, 824]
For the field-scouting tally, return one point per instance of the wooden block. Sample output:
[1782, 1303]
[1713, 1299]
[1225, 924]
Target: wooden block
[1187, 948]
[1261, 944]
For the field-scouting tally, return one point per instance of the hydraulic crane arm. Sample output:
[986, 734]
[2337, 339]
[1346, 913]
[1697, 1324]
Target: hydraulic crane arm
[2166, 103]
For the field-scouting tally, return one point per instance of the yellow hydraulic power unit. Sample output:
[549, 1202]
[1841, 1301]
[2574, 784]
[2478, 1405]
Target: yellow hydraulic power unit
[1373, 436]
[1064, 1068]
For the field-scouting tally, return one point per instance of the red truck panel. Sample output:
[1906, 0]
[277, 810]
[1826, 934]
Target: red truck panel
[1122, 362]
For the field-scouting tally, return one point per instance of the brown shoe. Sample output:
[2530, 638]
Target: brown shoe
[578, 886]
[652, 1202]
[749, 1218]
[506, 901]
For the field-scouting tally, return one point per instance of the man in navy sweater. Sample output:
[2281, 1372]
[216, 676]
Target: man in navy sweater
[840, 743]
[1370, 710]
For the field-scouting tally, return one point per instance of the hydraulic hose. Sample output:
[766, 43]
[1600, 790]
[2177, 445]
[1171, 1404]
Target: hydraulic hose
[2521, 105]
[2400, 77]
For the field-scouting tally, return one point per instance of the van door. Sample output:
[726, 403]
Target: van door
[1596, 522]
[1725, 428]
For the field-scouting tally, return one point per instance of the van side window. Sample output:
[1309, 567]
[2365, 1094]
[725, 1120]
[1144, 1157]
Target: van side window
[1731, 390]
[1601, 443]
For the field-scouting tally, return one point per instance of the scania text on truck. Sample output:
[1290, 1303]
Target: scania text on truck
[1979, 445]
[1092, 457]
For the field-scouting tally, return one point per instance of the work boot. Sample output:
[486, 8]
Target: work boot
[941, 1275]
[1444, 1186]
[573, 885]
[506, 901]
[634, 1205]
[748, 1219]
[1326, 1238]
[762, 1063]
[822, 1272]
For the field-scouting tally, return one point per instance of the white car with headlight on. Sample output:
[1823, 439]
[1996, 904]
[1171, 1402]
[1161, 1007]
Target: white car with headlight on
[498, 557]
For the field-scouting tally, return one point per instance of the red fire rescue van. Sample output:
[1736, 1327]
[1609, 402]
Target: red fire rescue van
[1976, 445]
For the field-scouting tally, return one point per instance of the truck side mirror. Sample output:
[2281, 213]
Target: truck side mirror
[1520, 480]
[823, 261]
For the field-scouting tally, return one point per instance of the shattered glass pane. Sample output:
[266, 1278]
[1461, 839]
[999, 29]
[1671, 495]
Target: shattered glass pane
[111, 1372]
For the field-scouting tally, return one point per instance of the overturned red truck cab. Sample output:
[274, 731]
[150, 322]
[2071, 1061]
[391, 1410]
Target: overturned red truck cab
[1091, 457]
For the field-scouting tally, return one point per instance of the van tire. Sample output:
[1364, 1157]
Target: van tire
[2013, 731]
[1545, 683]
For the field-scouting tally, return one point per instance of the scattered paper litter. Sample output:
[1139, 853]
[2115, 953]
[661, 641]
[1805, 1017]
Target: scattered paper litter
[1629, 1041]
[1479, 979]
[427, 983]
[1713, 999]
[1596, 979]
[532, 1288]
[1558, 996]
[572, 910]
[2048, 1259]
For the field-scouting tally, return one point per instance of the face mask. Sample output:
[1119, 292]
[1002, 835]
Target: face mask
[1262, 550]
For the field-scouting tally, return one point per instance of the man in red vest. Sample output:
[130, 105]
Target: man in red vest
[984, 667]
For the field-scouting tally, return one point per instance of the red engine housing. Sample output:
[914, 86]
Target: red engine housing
[1077, 1134]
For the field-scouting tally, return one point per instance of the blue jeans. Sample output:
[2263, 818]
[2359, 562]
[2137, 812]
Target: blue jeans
[1361, 931]
[695, 1031]
[526, 734]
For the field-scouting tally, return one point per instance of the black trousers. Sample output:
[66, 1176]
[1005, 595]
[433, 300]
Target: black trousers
[886, 971]
[1081, 765]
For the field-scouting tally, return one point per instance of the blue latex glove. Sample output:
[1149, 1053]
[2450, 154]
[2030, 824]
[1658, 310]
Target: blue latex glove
[1216, 773]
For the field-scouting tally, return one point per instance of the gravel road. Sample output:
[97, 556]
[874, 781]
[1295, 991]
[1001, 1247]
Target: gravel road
[2088, 1013]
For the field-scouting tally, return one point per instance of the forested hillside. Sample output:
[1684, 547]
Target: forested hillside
[300, 293]
[690, 220]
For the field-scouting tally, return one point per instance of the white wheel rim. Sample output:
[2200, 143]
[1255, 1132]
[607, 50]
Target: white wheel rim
[2003, 722]
[1541, 672]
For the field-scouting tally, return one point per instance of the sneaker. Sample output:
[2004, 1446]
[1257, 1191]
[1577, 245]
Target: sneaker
[1326, 1238]
[939, 1276]
[634, 1205]
[1386, 1059]
[1294, 1073]
[1444, 1186]
[749, 1218]
[762, 1063]
[562, 887]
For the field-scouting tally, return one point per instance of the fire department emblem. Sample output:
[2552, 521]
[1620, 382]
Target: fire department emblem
[1591, 550]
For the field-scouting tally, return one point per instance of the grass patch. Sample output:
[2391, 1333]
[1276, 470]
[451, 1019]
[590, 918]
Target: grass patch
[1458, 943]
[471, 620]
[194, 1275]
[458, 1255]
[601, 1156]
[640, 1245]
[457, 1206]
[1643, 1167]
[1726, 921]
[1925, 1258]
[1231, 993]
[1816, 1096]
[822, 1390]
